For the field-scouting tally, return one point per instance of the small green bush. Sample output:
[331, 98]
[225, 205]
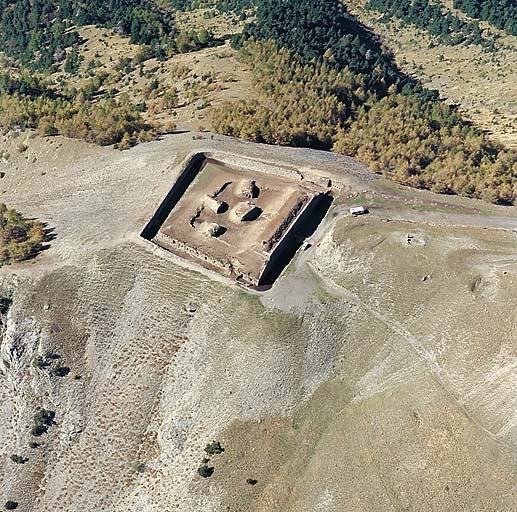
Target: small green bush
[40, 362]
[60, 371]
[19, 459]
[11, 505]
[43, 419]
[5, 304]
[205, 471]
[214, 448]
[138, 467]
[20, 238]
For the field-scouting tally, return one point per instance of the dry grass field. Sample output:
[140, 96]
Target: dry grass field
[179, 90]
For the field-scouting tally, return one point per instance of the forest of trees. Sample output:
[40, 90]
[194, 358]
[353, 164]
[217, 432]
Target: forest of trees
[433, 18]
[323, 81]
[26, 102]
[235, 6]
[20, 238]
[312, 29]
[299, 103]
[500, 13]
[38, 33]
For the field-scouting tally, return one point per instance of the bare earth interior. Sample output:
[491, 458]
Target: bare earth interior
[377, 373]
[238, 222]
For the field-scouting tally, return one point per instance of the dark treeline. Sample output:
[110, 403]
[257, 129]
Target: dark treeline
[24, 85]
[37, 32]
[500, 13]
[433, 18]
[235, 6]
[324, 81]
[313, 29]
[326, 31]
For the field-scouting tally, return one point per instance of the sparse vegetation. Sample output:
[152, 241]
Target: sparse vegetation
[40, 362]
[11, 505]
[26, 102]
[137, 467]
[43, 419]
[46, 361]
[19, 459]
[205, 471]
[214, 448]
[60, 371]
[20, 238]
[5, 305]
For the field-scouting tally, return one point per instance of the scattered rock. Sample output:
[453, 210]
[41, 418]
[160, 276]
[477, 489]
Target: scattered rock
[191, 307]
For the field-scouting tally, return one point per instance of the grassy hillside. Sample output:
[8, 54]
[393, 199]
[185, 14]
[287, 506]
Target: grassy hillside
[344, 384]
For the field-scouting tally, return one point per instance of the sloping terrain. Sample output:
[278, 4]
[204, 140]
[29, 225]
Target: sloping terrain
[480, 81]
[376, 374]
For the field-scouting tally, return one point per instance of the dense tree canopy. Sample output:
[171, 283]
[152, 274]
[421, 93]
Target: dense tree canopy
[432, 17]
[500, 13]
[300, 104]
[324, 82]
[236, 6]
[38, 32]
[428, 146]
[313, 29]
[326, 31]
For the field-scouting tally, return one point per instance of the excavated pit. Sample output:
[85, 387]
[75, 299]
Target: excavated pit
[243, 221]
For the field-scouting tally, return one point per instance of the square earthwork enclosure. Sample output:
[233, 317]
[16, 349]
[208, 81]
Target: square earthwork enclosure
[243, 221]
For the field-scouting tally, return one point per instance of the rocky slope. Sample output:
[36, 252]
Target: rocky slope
[377, 373]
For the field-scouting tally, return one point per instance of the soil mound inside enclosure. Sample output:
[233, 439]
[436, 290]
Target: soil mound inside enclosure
[243, 223]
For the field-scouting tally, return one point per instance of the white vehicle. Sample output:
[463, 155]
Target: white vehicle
[358, 210]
